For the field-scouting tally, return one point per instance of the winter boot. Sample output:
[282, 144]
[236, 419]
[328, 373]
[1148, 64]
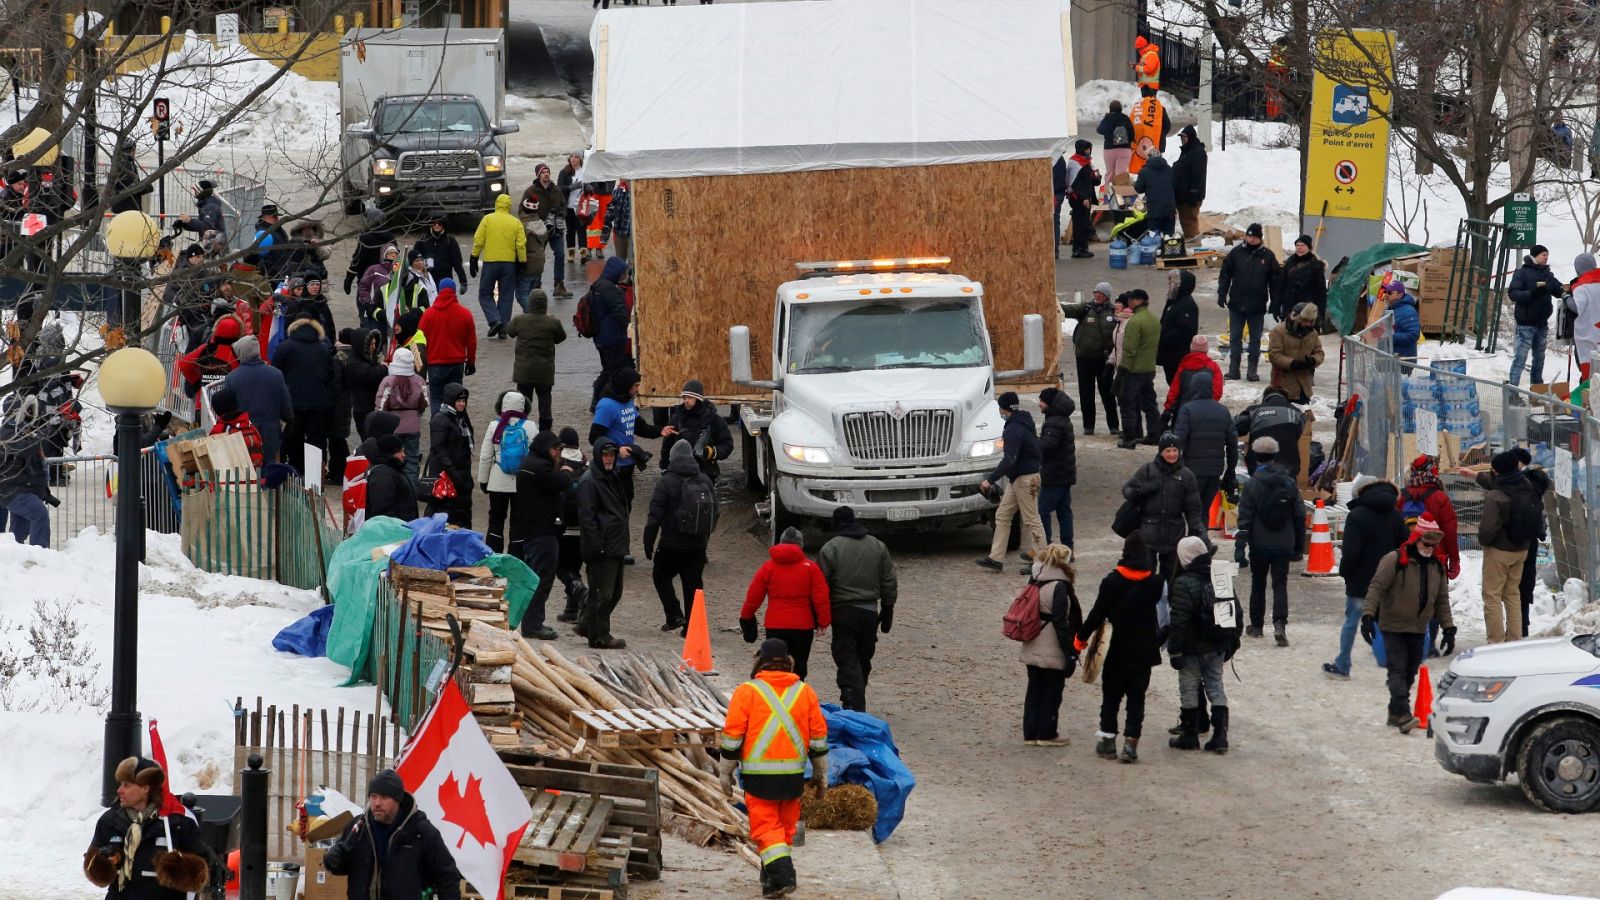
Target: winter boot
[1233, 369]
[1219, 730]
[766, 881]
[780, 877]
[575, 598]
[1186, 739]
[1106, 746]
[1252, 631]
[1406, 723]
[1393, 720]
[1251, 374]
[1280, 633]
[1130, 750]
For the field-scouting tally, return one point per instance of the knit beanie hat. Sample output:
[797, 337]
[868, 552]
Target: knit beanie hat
[1190, 549]
[225, 402]
[1424, 471]
[1007, 400]
[569, 436]
[1104, 287]
[403, 363]
[693, 388]
[1135, 553]
[388, 784]
[772, 649]
[1199, 344]
[842, 516]
[247, 348]
[1583, 263]
[1305, 239]
[1168, 439]
[1428, 530]
[389, 444]
[792, 535]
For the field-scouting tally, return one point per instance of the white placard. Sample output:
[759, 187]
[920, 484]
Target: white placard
[1563, 472]
[1222, 575]
[313, 473]
[1427, 432]
[227, 29]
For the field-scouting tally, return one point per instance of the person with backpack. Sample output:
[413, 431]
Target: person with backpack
[1116, 131]
[602, 315]
[683, 514]
[1541, 485]
[533, 363]
[542, 486]
[1168, 497]
[862, 592]
[796, 596]
[499, 460]
[1091, 350]
[603, 528]
[1127, 601]
[1274, 417]
[212, 361]
[1271, 533]
[263, 393]
[403, 393]
[696, 422]
[233, 420]
[1058, 463]
[450, 458]
[1408, 591]
[1046, 626]
[1202, 636]
[1373, 529]
[569, 568]
[1512, 519]
[1206, 442]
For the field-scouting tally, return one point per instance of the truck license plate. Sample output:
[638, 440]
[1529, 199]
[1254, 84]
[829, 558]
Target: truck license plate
[904, 513]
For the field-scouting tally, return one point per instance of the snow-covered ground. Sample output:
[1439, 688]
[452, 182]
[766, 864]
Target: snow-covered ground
[203, 641]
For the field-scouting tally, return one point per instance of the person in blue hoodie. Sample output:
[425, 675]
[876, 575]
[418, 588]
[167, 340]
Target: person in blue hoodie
[1020, 465]
[1407, 321]
[610, 308]
[617, 417]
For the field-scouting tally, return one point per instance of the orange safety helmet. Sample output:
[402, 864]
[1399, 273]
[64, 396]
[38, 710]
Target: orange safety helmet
[1139, 43]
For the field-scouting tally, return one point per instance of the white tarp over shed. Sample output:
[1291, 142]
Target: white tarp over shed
[786, 87]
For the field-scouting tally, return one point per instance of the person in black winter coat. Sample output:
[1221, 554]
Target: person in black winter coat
[450, 451]
[1058, 462]
[570, 567]
[1160, 199]
[1245, 285]
[1075, 180]
[699, 425]
[443, 253]
[1169, 499]
[369, 247]
[1305, 280]
[136, 852]
[610, 307]
[377, 424]
[1189, 181]
[542, 487]
[1180, 322]
[1019, 463]
[1374, 529]
[1274, 417]
[1532, 290]
[1127, 599]
[1271, 534]
[603, 529]
[363, 370]
[392, 850]
[389, 491]
[677, 556]
[208, 212]
[307, 366]
[1206, 439]
[1198, 647]
[1116, 131]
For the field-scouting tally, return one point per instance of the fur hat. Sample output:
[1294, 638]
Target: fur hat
[1305, 313]
[1190, 549]
[1264, 446]
[141, 771]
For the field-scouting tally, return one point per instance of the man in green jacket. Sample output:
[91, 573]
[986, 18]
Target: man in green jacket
[502, 245]
[1137, 370]
[1091, 346]
[861, 579]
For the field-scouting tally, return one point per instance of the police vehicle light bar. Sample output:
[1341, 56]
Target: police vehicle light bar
[867, 265]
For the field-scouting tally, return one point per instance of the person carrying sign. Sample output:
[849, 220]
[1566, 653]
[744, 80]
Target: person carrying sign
[1150, 129]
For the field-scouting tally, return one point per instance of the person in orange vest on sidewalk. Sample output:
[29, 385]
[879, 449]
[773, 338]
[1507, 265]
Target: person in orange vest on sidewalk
[774, 723]
[1147, 68]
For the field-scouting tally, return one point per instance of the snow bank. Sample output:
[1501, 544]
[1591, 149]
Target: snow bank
[1477, 893]
[204, 640]
[1094, 98]
[1552, 613]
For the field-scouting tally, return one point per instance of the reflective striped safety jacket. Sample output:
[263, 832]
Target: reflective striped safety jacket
[774, 725]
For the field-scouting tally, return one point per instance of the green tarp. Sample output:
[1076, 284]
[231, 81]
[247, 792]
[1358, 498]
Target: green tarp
[1345, 292]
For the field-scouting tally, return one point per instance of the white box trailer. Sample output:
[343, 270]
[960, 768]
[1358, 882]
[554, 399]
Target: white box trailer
[376, 62]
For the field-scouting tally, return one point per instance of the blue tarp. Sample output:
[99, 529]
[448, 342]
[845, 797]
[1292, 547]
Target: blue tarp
[432, 547]
[861, 751]
[307, 636]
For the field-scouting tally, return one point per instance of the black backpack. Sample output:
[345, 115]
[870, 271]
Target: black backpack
[1282, 505]
[1524, 517]
[696, 514]
[1213, 632]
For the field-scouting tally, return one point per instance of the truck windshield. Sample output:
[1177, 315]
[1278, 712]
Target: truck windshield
[854, 336]
[432, 117]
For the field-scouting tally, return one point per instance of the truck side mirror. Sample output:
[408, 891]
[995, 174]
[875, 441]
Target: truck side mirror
[507, 128]
[361, 131]
[1032, 347]
[739, 360]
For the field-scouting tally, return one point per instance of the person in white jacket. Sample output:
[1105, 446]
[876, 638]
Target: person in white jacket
[1585, 302]
[493, 479]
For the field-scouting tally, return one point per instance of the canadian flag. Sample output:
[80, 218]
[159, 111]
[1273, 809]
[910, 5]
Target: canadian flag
[465, 789]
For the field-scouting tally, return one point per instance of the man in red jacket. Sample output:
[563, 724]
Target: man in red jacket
[452, 337]
[798, 591]
[1423, 489]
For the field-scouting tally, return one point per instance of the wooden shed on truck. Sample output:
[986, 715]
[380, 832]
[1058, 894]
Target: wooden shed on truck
[758, 136]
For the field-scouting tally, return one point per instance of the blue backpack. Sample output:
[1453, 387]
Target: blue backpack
[513, 446]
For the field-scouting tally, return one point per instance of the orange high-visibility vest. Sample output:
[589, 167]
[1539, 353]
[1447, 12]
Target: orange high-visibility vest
[774, 723]
[1148, 75]
[1148, 116]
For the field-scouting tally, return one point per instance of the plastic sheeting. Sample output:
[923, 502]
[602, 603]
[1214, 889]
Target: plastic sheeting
[432, 547]
[787, 87]
[1345, 291]
[307, 636]
[861, 751]
[353, 583]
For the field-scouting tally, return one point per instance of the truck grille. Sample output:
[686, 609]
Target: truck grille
[919, 434]
[444, 164]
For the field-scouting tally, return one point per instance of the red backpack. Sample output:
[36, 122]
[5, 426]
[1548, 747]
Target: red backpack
[583, 316]
[1021, 621]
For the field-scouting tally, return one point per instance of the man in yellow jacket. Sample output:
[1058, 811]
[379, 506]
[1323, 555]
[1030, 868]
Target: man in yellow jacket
[502, 246]
[774, 723]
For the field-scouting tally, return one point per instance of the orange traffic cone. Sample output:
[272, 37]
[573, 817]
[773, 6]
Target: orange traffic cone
[1319, 561]
[1219, 516]
[1424, 707]
[697, 643]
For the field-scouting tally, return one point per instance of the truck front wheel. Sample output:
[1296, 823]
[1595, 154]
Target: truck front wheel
[781, 519]
[1559, 765]
[352, 201]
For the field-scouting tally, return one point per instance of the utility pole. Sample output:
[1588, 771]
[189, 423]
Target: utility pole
[1205, 99]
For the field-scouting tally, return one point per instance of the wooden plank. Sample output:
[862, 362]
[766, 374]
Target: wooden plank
[492, 693]
[552, 820]
[571, 824]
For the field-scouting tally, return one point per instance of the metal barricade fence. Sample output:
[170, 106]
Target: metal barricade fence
[241, 199]
[1472, 419]
[85, 488]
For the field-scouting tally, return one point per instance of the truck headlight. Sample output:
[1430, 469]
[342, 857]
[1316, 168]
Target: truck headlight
[816, 456]
[1477, 690]
[986, 448]
[383, 167]
[494, 164]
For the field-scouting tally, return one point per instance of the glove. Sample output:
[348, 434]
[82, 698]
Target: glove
[1297, 365]
[472, 267]
[1369, 629]
[1447, 646]
[471, 369]
[886, 620]
[1221, 303]
[1240, 554]
[483, 486]
[819, 772]
[349, 281]
[1453, 570]
[725, 769]
[748, 626]
[1176, 660]
[649, 552]
[1079, 644]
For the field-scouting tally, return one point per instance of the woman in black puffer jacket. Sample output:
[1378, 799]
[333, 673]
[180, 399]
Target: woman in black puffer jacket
[450, 453]
[1169, 499]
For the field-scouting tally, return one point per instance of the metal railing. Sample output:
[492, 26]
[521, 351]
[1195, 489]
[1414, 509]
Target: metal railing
[1472, 419]
[85, 489]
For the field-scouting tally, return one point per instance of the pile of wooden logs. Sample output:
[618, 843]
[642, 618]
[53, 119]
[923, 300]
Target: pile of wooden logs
[488, 654]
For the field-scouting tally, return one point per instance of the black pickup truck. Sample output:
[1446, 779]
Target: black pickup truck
[434, 152]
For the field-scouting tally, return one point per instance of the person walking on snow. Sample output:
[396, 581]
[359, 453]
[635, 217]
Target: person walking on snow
[1091, 351]
[1373, 530]
[1137, 370]
[1245, 286]
[683, 514]
[501, 245]
[1127, 600]
[1058, 463]
[450, 457]
[505, 444]
[1019, 464]
[1049, 656]
[1408, 590]
[862, 590]
[1512, 520]
[1532, 290]
[1271, 533]
[774, 726]
[1198, 644]
[1294, 351]
[796, 596]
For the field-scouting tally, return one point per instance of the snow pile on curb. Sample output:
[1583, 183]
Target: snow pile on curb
[1553, 612]
[204, 640]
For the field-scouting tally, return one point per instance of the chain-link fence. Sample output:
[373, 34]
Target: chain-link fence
[1405, 409]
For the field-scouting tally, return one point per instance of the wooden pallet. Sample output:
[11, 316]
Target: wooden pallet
[565, 829]
[645, 728]
[1210, 259]
[216, 453]
[634, 790]
[524, 891]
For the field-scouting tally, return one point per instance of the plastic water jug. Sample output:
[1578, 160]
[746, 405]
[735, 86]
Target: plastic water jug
[1119, 254]
[1149, 248]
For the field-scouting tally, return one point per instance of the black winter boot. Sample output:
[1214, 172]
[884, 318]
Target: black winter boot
[1233, 368]
[780, 877]
[1186, 739]
[1251, 375]
[1219, 730]
[1106, 747]
[1130, 750]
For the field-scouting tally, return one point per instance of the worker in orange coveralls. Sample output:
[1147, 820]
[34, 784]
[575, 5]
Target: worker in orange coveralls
[774, 724]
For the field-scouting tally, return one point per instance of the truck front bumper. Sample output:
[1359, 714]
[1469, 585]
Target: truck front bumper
[895, 501]
[442, 196]
[1483, 768]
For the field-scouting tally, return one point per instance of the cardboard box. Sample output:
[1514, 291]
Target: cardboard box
[317, 882]
[1303, 479]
